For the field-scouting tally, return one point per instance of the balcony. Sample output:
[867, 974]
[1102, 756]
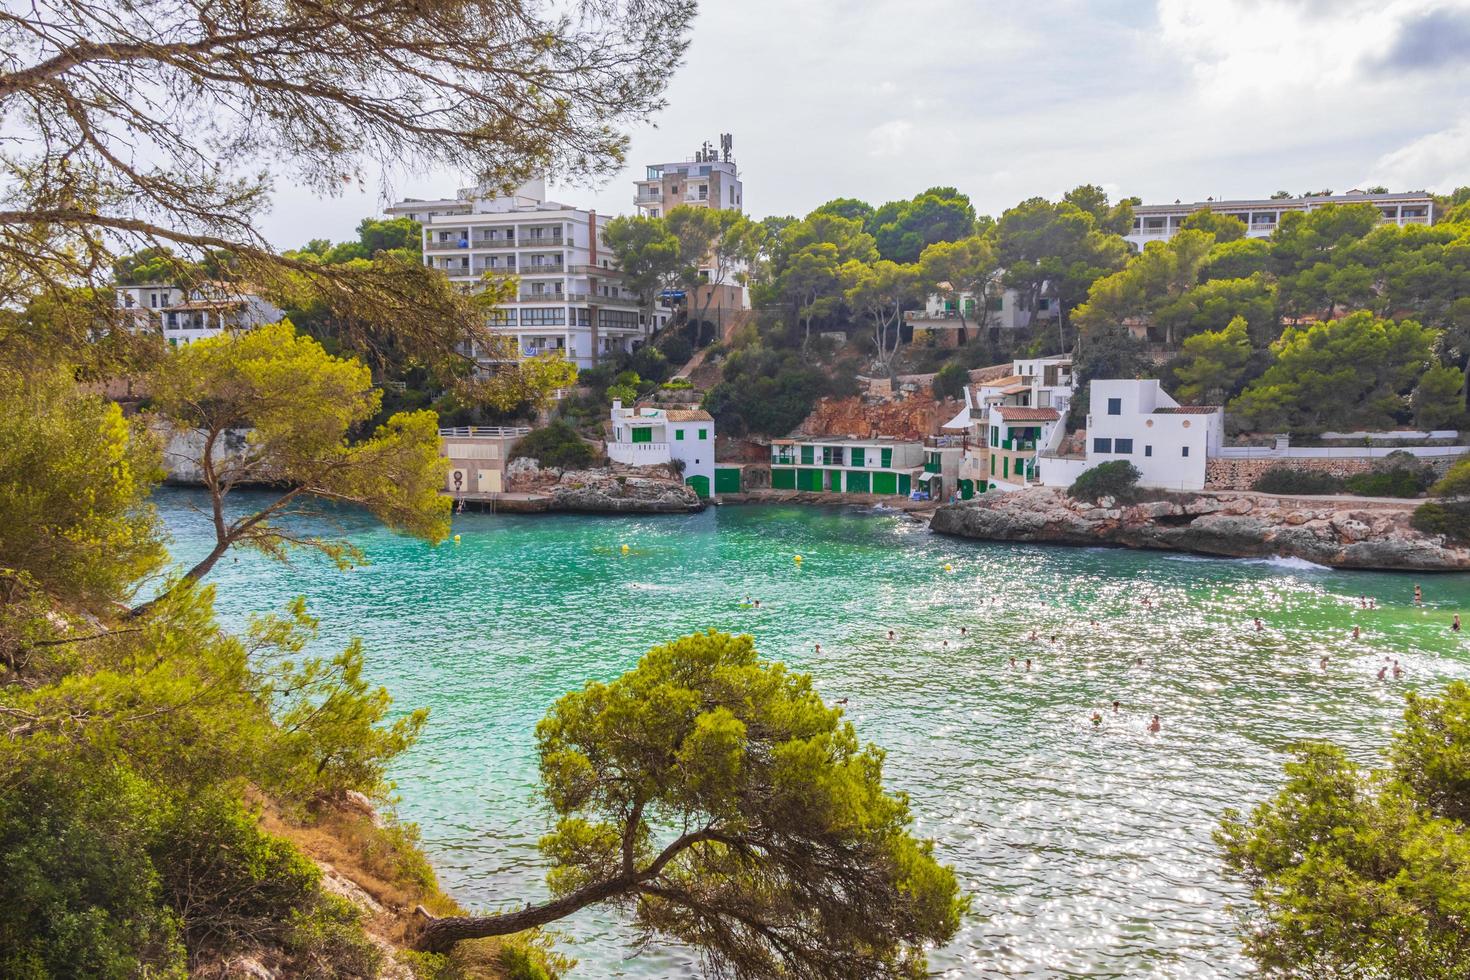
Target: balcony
[543, 298]
[529, 240]
[543, 269]
[783, 460]
[638, 453]
[448, 246]
[493, 243]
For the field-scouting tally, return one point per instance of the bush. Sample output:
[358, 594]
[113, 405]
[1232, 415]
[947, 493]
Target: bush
[678, 384]
[1450, 518]
[1388, 483]
[1118, 479]
[950, 381]
[555, 445]
[1291, 481]
[677, 349]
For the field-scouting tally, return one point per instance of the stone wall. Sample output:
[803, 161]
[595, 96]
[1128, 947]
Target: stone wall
[1241, 474]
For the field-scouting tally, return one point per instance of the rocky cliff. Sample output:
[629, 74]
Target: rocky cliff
[1325, 531]
[899, 416]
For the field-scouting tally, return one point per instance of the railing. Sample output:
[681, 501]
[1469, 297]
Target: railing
[783, 461]
[542, 268]
[494, 243]
[448, 246]
[485, 431]
[543, 297]
[531, 241]
[638, 453]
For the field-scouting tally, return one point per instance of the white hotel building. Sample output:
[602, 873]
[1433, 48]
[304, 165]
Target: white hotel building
[1160, 222]
[570, 298]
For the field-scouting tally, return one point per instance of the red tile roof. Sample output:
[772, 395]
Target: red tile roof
[1018, 413]
[689, 415]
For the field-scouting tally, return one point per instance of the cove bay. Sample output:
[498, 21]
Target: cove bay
[1087, 848]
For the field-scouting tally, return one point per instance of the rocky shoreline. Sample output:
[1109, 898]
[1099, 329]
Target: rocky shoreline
[1232, 524]
[647, 490]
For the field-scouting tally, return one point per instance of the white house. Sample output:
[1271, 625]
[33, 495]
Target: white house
[185, 315]
[649, 436]
[1034, 383]
[1138, 422]
[1006, 309]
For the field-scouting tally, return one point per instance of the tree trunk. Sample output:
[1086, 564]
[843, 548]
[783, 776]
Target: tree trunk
[440, 935]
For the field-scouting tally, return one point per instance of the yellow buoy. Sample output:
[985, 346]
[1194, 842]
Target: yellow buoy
[949, 568]
[625, 549]
[456, 539]
[798, 559]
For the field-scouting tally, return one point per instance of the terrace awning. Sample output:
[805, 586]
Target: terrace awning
[960, 421]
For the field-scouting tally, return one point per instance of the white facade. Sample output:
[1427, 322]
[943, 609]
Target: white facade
[649, 436]
[1138, 422]
[1034, 383]
[570, 296]
[1008, 310]
[183, 316]
[1160, 222]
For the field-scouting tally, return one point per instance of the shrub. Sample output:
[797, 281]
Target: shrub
[678, 384]
[1450, 518]
[1118, 479]
[677, 349]
[950, 381]
[1397, 482]
[1292, 481]
[555, 445]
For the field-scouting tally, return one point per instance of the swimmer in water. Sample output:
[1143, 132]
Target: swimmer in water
[1096, 718]
[1053, 638]
[1115, 707]
[1259, 627]
[1138, 661]
[1028, 663]
[1154, 725]
[890, 636]
[946, 644]
[1363, 602]
[818, 647]
[1357, 632]
[1372, 603]
[1397, 670]
[1013, 663]
[840, 701]
[964, 630]
[1418, 596]
[1382, 672]
[1455, 626]
[757, 603]
[1324, 663]
[1034, 636]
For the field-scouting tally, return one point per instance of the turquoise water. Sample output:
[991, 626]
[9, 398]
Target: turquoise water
[1088, 851]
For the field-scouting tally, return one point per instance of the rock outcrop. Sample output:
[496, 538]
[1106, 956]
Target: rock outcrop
[604, 492]
[1336, 533]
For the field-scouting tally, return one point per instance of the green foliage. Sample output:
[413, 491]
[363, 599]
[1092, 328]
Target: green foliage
[74, 481]
[1292, 481]
[1056, 247]
[1364, 873]
[764, 391]
[1357, 372]
[1225, 227]
[1456, 482]
[1439, 398]
[903, 229]
[1239, 259]
[1211, 306]
[1450, 518]
[677, 384]
[1211, 365]
[1117, 479]
[950, 381]
[785, 821]
[557, 444]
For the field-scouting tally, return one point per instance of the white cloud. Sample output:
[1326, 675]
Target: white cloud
[890, 139]
[1439, 161]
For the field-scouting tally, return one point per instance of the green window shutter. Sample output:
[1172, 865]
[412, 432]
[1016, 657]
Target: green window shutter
[678, 435]
[704, 433]
[858, 457]
[642, 433]
[885, 457]
[903, 484]
[806, 455]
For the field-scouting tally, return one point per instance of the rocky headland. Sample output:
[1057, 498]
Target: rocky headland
[1336, 532]
[608, 490]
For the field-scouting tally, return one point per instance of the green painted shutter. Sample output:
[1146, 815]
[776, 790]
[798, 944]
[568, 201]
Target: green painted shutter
[885, 456]
[967, 489]
[859, 456]
[903, 485]
[783, 478]
[858, 482]
[700, 484]
[727, 479]
[704, 433]
[642, 433]
[885, 483]
[678, 435]
[807, 455]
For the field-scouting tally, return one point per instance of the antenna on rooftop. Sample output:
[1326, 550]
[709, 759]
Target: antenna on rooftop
[727, 141]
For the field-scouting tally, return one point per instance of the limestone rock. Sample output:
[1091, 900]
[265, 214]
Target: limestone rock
[1358, 538]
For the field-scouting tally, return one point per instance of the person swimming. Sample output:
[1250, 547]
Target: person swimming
[1324, 663]
[817, 648]
[1028, 663]
[1034, 636]
[964, 630]
[1115, 707]
[1013, 663]
[1138, 661]
[1455, 626]
[840, 701]
[1357, 632]
[946, 644]
[1096, 718]
[1418, 595]
[757, 603]
[1383, 672]
[1259, 627]
[890, 636]
[1154, 724]
[1397, 670]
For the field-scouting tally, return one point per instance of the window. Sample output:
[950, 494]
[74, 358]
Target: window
[858, 456]
[704, 433]
[1115, 406]
[1186, 451]
[678, 435]
[1102, 445]
[1123, 447]
[543, 317]
[885, 458]
[1148, 450]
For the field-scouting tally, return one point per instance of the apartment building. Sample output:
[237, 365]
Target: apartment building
[649, 436]
[709, 180]
[182, 315]
[1160, 222]
[570, 297]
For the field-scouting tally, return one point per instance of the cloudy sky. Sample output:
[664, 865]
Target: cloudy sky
[1165, 99]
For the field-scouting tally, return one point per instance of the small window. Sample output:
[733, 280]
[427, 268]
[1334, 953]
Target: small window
[1115, 406]
[1102, 445]
[1123, 447]
[1186, 451]
[704, 433]
[678, 435]
[1148, 450]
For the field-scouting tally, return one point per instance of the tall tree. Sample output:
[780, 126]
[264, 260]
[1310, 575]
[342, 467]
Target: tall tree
[957, 269]
[714, 796]
[295, 412]
[647, 253]
[716, 249]
[903, 229]
[1212, 363]
[881, 291]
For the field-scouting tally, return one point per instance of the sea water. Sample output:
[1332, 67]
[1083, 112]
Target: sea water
[1087, 850]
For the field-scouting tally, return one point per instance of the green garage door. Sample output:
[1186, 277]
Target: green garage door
[809, 480]
[727, 479]
[903, 484]
[834, 481]
[885, 483]
[783, 479]
[858, 482]
[967, 489]
[700, 484]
